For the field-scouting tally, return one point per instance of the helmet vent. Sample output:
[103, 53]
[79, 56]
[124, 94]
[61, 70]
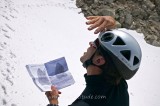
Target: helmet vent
[126, 54]
[107, 37]
[119, 41]
[135, 61]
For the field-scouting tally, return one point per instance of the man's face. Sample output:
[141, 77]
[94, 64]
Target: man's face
[90, 51]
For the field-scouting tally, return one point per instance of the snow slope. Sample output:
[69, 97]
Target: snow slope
[34, 32]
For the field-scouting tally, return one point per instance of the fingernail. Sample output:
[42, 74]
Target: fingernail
[90, 28]
[96, 32]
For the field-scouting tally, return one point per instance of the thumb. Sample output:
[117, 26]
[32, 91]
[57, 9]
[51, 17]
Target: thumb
[53, 88]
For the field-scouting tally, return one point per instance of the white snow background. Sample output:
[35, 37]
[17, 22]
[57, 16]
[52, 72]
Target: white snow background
[37, 31]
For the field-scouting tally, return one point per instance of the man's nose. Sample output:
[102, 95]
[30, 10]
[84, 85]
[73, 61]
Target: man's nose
[92, 44]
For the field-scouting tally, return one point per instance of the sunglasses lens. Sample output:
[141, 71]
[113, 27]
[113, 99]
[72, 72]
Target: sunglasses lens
[96, 42]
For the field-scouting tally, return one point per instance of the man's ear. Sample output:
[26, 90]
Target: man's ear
[99, 60]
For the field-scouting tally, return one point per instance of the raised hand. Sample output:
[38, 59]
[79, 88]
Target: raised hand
[101, 23]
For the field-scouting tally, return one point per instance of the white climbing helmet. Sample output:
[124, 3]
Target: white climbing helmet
[123, 49]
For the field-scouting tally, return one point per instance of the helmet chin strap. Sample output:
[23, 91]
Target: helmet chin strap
[89, 61]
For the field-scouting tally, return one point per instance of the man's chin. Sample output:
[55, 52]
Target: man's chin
[82, 59]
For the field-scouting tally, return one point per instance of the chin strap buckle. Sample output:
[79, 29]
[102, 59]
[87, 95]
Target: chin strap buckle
[87, 63]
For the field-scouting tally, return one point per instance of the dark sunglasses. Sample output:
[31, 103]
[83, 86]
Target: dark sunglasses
[96, 43]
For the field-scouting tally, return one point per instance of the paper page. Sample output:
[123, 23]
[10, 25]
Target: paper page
[51, 73]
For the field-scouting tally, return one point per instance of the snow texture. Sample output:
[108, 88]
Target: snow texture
[35, 31]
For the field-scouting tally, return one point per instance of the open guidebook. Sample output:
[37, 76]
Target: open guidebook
[51, 73]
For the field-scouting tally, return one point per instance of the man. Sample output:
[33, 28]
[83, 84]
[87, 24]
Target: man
[111, 59]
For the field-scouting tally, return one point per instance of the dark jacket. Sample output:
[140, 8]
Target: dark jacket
[100, 93]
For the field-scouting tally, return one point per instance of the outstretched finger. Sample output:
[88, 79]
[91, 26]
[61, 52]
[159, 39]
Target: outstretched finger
[91, 17]
[101, 28]
[96, 24]
[92, 21]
